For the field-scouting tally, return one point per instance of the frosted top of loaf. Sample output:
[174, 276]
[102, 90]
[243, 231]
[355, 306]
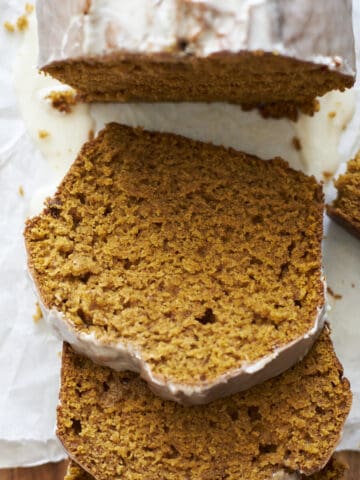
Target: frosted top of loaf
[317, 31]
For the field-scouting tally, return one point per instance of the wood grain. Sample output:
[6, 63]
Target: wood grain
[56, 471]
[51, 471]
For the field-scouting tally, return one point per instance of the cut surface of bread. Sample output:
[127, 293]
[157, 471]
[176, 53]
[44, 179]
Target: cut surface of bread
[346, 208]
[274, 55]
[115, 427]
[198, 266]
[334, 470]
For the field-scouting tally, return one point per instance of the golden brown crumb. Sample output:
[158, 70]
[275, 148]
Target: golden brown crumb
[43, 134]
[205, 261]
[327, 176]
[22, 23]
[38, 315]
[91, 135]
[296, 143]
[316, 105]
[74, 472]
[337, 296]
[62, 101]
[10, 27]
[21, 191]
[29, 8]
[113, 425]
[332, 114]
[334, 470]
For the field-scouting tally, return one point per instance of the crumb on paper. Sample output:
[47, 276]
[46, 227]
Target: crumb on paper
[21, 191]
[62, 101]
[91, 135]
[38, 315]
[327, 176]
[29, 8]
[316, 106]
[332, 114]
[337, 296]
[43, 134]
[59, 354]
[296, 143]
[22, 23]
[353, 285]
[10, 27]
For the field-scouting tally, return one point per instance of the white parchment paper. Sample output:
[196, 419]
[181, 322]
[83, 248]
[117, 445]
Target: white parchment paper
[29, 353]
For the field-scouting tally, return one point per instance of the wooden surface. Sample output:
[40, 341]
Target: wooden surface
[56, 471]
[52, 471]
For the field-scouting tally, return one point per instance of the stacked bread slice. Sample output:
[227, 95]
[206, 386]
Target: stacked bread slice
[336, 469]
[114, 427]
[186, 278]
[275, 55]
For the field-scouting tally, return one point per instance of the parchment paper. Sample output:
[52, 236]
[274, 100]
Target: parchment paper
[29, 353]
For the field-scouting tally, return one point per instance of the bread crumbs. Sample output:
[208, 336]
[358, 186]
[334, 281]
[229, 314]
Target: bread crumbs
[62, 101]
[331, 292]
[43, 134]
[22, 23]
[296, 143]
[38, 315]
[9, 27]
[29, 8]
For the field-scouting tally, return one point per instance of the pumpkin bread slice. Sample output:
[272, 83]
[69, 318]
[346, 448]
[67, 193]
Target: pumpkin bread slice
[112, 425]
[195, 265]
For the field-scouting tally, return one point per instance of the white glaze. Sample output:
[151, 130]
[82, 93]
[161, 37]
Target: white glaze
[320, 32]
[67, 131]
[321, 134]
[229, 125]
[120, 356]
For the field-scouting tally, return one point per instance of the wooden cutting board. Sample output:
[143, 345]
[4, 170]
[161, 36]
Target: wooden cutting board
[56, 471]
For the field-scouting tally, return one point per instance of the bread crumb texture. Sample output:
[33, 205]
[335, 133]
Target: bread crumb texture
[201, 258]
[277, 85]
[346, 207]
[334, 470]
[74, 472]
[112, 425]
